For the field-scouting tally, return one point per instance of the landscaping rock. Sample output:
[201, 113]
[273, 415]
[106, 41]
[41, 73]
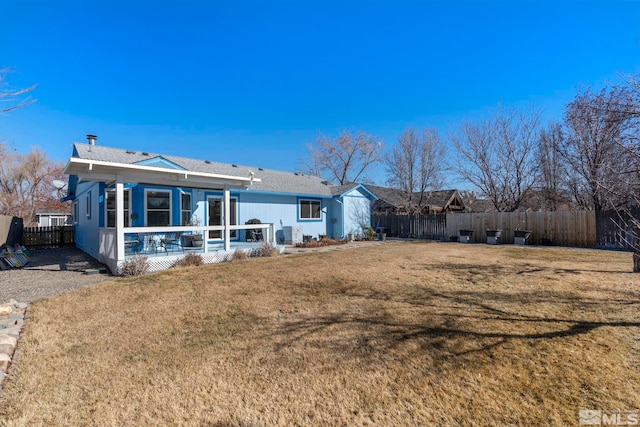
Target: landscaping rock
[11, 322]
[13, 331]
[6, 349]
[8, 322]
[6, 339]
[5, 360]
[6, 309]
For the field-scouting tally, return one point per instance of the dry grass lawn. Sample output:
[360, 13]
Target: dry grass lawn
[396, 334]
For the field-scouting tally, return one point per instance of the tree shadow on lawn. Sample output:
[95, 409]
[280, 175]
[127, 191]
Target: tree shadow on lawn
[455, 322]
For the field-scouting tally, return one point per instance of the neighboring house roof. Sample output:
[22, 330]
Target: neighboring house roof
[340, 190]
[397, 199]
[271, 181]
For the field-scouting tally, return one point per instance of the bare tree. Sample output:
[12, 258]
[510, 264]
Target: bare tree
[345, 158]
[25, 180]
[552, 171]
[595, 124]
[25, 183]
[416, 166]
[628, 105]
[12, 99]
[607, 142]
[496, 155]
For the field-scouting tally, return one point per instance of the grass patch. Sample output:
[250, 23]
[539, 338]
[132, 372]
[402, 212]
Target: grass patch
[418, 334]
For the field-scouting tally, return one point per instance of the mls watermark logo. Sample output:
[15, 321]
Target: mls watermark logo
[598, 417]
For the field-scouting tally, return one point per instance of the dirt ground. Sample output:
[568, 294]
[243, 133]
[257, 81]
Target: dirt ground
[51, 272]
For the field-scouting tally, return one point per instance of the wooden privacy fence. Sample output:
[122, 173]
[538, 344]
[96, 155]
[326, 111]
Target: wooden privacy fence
[616, 228]
[48, 237]
[432, 226]
[561, 228]
[571, 228]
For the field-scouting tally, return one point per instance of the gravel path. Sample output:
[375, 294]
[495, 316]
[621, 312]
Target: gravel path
[50, 272]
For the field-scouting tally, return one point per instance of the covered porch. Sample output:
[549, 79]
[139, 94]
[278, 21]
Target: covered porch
[164, 247]
[166, 240]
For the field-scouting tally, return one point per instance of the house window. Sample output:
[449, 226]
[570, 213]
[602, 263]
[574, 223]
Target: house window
[110, 204]
[158, 207]
[185, 208]
[75, 212]
[309, 209]
[57, 221]
[88, 205]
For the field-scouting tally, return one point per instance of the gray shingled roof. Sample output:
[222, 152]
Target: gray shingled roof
[272, 181]
[338, 190]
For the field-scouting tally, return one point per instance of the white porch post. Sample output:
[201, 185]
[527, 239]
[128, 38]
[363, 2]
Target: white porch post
[119, 221]
[227, 219]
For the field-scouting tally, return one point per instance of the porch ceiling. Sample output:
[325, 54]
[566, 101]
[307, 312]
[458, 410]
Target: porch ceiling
[96, 170]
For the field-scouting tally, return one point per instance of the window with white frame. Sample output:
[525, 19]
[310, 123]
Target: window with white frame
[158, 207]
[88, 205]
[309, 209]
[110, 205]
[185, 208]
[58, 221]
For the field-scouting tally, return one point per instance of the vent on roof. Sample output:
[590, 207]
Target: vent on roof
[235, 166]
[325, 182]
[144, 153]
[260, 169]
[296, 173]
[131, 152]
[207, 162]
[91, 139]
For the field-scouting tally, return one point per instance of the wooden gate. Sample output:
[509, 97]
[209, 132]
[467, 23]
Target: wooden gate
[432, 226]
[48, 237]
[615, 229]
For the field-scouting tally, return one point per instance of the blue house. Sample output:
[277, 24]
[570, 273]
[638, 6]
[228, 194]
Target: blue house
[128, 202]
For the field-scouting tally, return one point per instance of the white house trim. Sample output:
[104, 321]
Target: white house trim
[99, 170]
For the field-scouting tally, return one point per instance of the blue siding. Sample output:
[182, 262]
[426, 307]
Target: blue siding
[281, 210]
[160, 162]
[87, 226]
[356, 212]
[335, 224]
[102, 209]
[339, 216]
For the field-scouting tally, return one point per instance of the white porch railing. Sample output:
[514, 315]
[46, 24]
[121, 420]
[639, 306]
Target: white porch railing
[109, 247]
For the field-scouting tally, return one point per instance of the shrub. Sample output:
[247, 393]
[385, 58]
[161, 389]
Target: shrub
[239, 256]
[134, 266]
[190, 260]
[369, 233]
[266, 249]
[319, 243]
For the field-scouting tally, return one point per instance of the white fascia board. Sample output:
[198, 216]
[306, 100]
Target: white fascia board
[92, 169]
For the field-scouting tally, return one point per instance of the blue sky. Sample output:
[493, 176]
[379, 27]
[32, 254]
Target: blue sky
[254, 82]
